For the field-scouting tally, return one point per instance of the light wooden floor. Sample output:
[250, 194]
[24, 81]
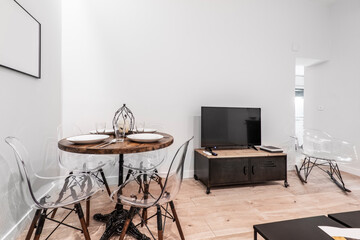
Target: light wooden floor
[230, 213]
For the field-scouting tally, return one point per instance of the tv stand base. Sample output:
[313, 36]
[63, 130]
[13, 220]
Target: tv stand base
[239, 166]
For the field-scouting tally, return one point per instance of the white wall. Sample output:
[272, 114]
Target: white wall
[335, 85]
[166, 59]
[30, 109]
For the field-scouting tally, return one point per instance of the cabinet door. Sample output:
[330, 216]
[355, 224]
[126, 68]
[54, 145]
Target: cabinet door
[267, 169]
[229, 171]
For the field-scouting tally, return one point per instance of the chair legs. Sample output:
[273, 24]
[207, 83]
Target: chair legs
[160, 226]
[33, 224]
[54, 213]
[144, 217]
[82, 221]
[159, 223]
[40, 217]
[172, 206]
[87, 212]
[40, 225]
[129, 217]
[105, 181]
[146, 195]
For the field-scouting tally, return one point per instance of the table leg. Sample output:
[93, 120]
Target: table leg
[121, 169]
[255, 234]
[116, 219]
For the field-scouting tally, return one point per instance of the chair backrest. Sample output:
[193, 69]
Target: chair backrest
[145, 161]
[51, 190]
[174, 176]
[320, 144]
[27, 175]
[66, 160]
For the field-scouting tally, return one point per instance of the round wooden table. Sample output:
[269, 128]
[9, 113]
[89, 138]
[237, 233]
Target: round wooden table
[120, 148]
[116, 148]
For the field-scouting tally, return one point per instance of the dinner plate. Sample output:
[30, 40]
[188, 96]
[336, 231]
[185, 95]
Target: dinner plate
[145, 137]
[87, 139]
[107, 131]
[146, 130]
[149, 130]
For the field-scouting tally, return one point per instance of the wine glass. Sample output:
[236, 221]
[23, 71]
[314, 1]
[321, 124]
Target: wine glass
[140, 127]
[100, 127]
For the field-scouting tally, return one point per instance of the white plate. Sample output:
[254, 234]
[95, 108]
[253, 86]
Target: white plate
[107, 131]
[87, 139]
[149, 130]
[145, 137]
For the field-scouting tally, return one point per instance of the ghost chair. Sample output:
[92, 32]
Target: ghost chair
[83, 163]
[160, 194]
[321, 150]
[53, 191]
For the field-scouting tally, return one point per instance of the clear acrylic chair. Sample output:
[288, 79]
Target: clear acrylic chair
[323, 151]
[93, 164]
[83, 163]
[161, 190]
[147, 161]
[51, 191]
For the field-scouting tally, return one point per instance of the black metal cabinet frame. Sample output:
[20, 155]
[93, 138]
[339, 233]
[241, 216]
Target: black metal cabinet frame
[244, 169]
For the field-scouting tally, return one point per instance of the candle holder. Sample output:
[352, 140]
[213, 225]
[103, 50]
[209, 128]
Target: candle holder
[123, 123]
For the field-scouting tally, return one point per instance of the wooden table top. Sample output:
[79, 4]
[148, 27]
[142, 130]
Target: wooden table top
[239, 153]
[116, 148]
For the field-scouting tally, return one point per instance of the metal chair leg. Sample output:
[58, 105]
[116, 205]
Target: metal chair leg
[82, 221]
[105, 181]
[146, 195]
[54, 213]
[159, 223]
[144, 217]
[172, 206]
[87, 212]
[40, 226]
[129, 217]
[33, 224]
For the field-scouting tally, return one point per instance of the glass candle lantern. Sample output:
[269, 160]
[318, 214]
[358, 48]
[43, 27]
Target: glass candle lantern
[123, 122]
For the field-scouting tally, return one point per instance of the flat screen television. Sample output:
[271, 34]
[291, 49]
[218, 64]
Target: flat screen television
[230, 127]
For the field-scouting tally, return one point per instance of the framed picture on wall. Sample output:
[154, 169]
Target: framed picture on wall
[20, 39]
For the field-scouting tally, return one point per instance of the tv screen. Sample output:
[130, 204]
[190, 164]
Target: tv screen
[230, 127]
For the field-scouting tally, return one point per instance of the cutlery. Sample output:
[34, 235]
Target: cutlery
[103, 143]
[107, 144]
[99, 145]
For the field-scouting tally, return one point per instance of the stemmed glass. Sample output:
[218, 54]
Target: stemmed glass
[100, 127]
[140, 127]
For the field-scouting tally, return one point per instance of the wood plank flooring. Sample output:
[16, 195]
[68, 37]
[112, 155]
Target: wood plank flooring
[229, 213]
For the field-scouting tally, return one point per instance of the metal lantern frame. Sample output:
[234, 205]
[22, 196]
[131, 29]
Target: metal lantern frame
[123, 114]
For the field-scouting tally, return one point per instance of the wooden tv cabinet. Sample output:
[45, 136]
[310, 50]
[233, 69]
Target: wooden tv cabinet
[239, 166]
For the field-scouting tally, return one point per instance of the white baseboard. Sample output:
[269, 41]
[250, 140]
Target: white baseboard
[350, 169]
[189, 174]
[113, 180]
[19, 227]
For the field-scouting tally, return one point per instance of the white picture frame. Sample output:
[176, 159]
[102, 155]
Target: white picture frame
[20, 39]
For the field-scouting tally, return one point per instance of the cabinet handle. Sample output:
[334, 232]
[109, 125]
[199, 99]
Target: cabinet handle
[245, 170]
[252, 170]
